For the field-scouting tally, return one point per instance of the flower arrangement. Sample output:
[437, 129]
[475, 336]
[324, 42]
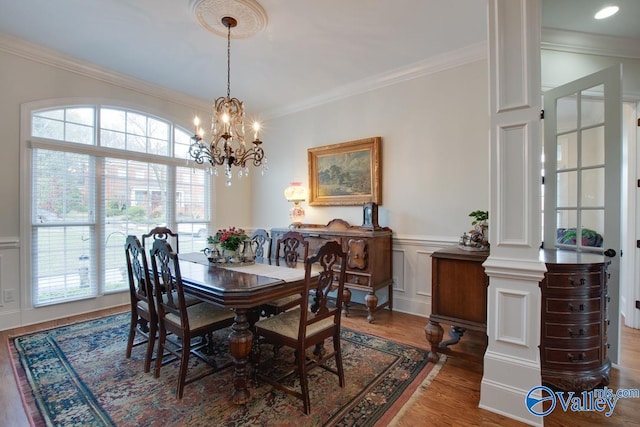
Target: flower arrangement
[229, 238]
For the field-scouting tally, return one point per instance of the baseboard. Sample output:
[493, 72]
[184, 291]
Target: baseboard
[505, 384]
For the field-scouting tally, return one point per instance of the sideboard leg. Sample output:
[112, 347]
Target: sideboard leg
[371, 300]
[346, 301]
[434, 333]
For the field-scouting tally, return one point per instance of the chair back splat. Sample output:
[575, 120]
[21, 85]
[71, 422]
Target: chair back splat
[292, 246]
[310, 323]
[260, 241]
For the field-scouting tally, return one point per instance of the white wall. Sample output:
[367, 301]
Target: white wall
[434, 152]
[560, 67]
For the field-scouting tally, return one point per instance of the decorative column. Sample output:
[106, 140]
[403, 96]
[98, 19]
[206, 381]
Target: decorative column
[512, 362]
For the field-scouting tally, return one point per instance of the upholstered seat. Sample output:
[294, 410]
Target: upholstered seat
[310, 324]
[288, 323]
[186, 322]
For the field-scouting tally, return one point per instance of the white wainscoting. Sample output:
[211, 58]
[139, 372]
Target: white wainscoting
[412, 272]
[10, 294]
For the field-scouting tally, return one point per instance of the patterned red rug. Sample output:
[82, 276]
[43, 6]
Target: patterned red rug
[78, 375]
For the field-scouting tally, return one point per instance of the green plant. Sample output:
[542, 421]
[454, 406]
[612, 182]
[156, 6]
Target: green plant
[137, 213]
[229, 238]
[479, 217]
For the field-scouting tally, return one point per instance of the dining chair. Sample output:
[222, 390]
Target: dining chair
[309, 325]
[186, 322]
[144, 318]
[261, 240]
[291, 247]
[163, 233]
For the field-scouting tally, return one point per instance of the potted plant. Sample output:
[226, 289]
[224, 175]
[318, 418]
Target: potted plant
[477, 238]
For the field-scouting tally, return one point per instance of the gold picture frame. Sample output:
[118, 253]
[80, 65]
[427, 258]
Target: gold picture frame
[345, 174]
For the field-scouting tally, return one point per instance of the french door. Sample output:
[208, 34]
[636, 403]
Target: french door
[583, 146]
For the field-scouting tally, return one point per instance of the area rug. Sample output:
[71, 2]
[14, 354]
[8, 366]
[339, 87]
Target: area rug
[78, 375]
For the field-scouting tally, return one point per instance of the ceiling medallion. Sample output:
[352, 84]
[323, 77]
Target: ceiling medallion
[250, 16]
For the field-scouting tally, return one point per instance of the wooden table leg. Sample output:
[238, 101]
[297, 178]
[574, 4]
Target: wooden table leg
[434, 334]
[240, 341]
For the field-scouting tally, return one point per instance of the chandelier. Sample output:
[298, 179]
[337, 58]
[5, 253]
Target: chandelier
[227, 146]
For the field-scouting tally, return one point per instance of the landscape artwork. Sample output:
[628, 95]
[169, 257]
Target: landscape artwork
[346, 173]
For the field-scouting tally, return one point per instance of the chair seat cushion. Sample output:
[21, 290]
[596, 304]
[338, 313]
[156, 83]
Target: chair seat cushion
[188, 299]
[201, 315]
[287, 324]
[284, 301]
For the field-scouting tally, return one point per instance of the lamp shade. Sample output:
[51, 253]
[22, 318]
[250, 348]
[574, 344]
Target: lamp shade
[295, 192]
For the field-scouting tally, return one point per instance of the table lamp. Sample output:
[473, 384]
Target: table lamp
[296, 193]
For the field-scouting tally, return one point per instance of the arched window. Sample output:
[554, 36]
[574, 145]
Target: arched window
[98, 173]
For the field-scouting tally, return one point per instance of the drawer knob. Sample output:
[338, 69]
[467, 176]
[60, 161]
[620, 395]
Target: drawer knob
[579, 334]
[580, 357]
[581, 282]
[572, 308]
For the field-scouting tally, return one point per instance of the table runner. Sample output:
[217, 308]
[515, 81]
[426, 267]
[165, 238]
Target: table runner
[267, 270]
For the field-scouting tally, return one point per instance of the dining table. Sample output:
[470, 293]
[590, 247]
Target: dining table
[242, 287]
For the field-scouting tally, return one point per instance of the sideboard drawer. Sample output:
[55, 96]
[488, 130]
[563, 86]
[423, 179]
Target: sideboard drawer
[358, 279]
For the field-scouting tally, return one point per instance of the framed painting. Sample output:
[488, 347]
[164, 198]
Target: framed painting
[345, 174]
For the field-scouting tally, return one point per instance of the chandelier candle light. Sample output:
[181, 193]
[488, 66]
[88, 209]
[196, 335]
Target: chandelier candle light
[227, 144]
[296, 193]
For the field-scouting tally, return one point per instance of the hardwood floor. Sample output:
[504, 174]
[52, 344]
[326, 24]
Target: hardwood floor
[451, 399]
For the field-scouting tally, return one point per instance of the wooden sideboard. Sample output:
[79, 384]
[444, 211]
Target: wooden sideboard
[573, 335]
[368, 258]
[458, 297]
[573, 325]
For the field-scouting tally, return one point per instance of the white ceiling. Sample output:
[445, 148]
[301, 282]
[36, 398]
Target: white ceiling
[308, 49]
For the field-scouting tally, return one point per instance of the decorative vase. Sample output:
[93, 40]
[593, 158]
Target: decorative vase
[231, 255]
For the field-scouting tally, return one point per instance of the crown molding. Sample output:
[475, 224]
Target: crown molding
[589, 43]
[469, 54]
[19, 47]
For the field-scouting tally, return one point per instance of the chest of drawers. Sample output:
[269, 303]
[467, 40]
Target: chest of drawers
[573, 335]
[368, 258]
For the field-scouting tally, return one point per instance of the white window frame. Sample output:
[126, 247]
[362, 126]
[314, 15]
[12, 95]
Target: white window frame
[28, 143]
